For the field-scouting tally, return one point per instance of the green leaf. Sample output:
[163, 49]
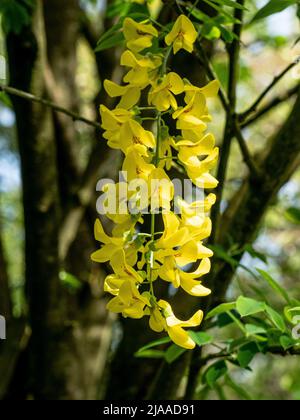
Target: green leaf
[272, 7]
[114, 40]
[290, 312]
[274, 284]
[224, 319]
[246, 306]
[15, 15]
[150, 354]
[223, 255]
[200, 338]
[211, 32]
[286, 342]
[253, 329]
[173, 353]
[70, 281]
[293, 215]
[152, 344]
[246, 354]
[227, 34]
[255, 254]
[276, 318]
[241, 392]
[5, 99]
[231, 3]
[219, 9]
[224, 307]
[215, 372]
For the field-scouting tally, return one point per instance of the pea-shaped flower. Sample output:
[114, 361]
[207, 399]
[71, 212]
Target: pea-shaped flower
[183, 35]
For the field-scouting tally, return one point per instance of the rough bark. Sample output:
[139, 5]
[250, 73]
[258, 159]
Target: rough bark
[70, 333]
[62, 31]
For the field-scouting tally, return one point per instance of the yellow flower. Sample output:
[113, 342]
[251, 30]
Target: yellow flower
[135, 165]
[113, 120]
[166, 151]
[194, 115]
[138, 35]
[130, 95]
[122, 131]
[173, 262]
[142, 67]
[124, 286]
[161, 93]
[111, 246]
[183, 35]
[161, 189]
[132, 133]
[198, 169]
[209, 91]
[163, 319]
[194, 214]
[129, 302]
[122, 272]
[173, 235]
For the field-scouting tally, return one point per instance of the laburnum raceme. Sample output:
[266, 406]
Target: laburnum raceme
[140, 259]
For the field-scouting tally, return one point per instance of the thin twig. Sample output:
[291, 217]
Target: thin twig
[254, 171]
[261, 97]
[270, 106]
[32, 98]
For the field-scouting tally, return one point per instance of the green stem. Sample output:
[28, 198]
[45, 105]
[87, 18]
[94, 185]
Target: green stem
[165, 62]
[153, 219]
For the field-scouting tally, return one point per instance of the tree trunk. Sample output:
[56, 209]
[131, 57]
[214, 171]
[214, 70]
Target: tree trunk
[5, 299]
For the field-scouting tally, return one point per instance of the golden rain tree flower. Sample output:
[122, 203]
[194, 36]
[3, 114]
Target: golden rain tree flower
[183, 35]
[163, 319]
[138, 35]
[130, 94]
[138, 258]
[143, 69]
[162, 93]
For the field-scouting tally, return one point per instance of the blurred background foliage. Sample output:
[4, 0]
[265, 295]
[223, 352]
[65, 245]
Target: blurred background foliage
[268, 46]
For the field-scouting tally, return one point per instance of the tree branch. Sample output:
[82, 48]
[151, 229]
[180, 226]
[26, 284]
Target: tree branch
[254, 170]
[270, 106]
[33, 98]
[248, 206]
[254, 106]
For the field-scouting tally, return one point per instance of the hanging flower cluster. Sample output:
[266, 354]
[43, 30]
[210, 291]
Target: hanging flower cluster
[138, 259]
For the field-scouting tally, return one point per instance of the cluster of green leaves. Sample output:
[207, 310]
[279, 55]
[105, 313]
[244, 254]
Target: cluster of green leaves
[15, 14]
[272, 7]
[262, 328]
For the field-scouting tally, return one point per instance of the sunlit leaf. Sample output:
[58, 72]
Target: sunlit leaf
[152, 344]
[274, 284]
[246, 306]
[200, 338]
[272, 7]
[224, 307]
